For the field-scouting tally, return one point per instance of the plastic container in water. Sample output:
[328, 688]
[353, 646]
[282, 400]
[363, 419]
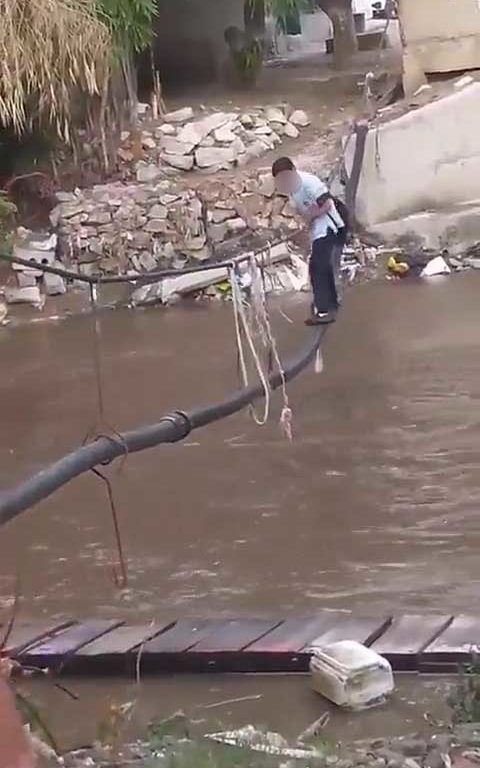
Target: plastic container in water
[351, 675]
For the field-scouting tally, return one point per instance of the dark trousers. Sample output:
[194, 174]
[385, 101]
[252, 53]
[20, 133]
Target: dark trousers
[324, 266]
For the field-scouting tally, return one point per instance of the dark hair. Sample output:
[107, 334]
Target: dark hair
[282, 164]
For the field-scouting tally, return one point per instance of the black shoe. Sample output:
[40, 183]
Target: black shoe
[321, 318]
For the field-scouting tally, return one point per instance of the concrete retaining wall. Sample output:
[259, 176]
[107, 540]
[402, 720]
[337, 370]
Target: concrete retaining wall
[426, 165]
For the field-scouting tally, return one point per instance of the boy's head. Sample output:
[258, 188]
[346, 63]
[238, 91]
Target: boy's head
[285, 175]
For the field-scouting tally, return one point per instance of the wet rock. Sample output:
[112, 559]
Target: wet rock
[299, 118]
[179, 115]
[410, 747]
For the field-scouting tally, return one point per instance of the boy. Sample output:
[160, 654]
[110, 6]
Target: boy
[311, 199]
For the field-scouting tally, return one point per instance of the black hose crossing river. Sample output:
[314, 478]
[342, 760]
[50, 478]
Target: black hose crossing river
[171, 428]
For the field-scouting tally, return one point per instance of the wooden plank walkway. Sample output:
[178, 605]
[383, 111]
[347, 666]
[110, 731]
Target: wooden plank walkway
[412, 643]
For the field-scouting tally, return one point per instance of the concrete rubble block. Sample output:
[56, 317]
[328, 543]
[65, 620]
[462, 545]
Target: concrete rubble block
[179, 115]
[235, 226]
[275, 115]
[184, 284]
[247, 120]
[219, 215]
[215, 156]
[165, 130]
[30, 295]
[147, 172]
[54, 284]
[174, 145]
[299, 118]
[198, 130]
[156, 226]
[224, 135]
[195, 243]
[99, 217]
[158, 211]
[181, 162]
[263, 130]
[26, 279]
[208, 141]
[291, 131]
[217, 232]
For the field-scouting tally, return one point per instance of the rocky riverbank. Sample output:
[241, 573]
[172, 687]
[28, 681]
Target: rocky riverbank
[457, 747]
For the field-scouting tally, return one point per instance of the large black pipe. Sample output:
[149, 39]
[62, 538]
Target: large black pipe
[170, 429]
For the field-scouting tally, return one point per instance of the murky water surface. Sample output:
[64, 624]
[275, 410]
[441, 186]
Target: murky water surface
[374, 506]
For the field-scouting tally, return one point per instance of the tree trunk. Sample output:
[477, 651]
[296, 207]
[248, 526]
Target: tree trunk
[254, 18]
[344, 36]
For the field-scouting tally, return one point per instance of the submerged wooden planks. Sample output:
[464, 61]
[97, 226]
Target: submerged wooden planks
[412, 643]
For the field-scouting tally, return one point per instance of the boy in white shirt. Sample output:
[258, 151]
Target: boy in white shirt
[311, 199]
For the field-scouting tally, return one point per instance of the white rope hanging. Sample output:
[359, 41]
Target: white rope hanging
[241, 324]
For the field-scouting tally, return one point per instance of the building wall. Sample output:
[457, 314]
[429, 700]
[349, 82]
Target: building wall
[441, 35]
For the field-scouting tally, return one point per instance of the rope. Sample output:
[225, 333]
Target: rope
[286, 416]
[241, 325]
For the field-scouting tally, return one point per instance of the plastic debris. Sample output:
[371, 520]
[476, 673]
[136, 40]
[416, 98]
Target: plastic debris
[350, 675]
[436, 266]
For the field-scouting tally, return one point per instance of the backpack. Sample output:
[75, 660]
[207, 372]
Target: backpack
[343, 212]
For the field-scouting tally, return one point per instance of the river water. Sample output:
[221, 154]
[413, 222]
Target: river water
[373, 506]
[375, 501]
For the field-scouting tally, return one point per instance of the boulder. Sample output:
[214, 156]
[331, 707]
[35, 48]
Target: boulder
[156, 226]
[224, 135]
[54, 285]
[247, 120]
[235, 226]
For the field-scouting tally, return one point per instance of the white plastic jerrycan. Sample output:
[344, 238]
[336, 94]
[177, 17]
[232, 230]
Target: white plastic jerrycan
[350, 674]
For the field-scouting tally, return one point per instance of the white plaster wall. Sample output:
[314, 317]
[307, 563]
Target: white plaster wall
[428, 160]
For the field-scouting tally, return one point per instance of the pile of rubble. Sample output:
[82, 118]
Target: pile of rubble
[212, 142]
[139, 227]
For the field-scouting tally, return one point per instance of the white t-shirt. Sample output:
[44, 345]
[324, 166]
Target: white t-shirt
[310, 190]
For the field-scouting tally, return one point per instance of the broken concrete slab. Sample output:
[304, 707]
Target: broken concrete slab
[54, 285]
[27, 295]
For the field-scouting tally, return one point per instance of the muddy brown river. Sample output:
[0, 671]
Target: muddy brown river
[374, 503]
[373, 507]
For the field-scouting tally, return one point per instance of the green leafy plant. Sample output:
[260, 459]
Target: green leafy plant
[464, 699]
